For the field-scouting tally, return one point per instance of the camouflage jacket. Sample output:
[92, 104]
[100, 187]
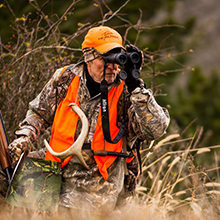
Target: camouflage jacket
[145, 120]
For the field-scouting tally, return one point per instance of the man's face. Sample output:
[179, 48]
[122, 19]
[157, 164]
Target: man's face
[96, 67]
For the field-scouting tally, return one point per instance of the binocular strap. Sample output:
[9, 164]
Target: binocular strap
[105, 115]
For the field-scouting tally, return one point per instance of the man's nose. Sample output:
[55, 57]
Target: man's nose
[112, 66]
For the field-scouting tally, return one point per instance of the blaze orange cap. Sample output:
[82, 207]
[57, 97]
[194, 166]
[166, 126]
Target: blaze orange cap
[103, 39]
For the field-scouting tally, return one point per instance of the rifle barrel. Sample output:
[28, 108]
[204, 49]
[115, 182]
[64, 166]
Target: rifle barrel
[4, 157]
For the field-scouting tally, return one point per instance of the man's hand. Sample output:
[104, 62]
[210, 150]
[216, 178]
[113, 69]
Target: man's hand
[132, 82]
[131, 48]
[17, 147]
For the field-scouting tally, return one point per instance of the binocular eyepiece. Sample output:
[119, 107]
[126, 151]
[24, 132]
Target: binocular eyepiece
[122, 58]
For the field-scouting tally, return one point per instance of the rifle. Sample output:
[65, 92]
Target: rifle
[5, 160]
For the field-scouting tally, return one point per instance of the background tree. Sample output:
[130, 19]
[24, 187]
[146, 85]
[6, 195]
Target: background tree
[37, 37]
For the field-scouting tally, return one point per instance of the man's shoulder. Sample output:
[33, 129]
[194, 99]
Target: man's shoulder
[77, 69]
[65, 73]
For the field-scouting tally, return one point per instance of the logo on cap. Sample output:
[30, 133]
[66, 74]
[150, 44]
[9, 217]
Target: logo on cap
[107, 35]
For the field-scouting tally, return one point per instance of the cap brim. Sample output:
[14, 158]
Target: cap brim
[107, 47]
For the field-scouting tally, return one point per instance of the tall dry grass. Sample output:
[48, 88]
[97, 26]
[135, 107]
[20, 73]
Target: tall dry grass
[173, 185]
[176, 184]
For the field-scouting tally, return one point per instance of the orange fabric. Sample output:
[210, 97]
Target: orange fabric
[103, 39]
[98, 142]
[64, 68]
[65, 124]
[128, 160]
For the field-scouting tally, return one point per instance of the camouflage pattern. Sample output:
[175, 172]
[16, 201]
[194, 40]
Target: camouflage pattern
[83, 189]
[17, 147]
[151, 121]
[90, 54]
[36, 185]
[145, 119]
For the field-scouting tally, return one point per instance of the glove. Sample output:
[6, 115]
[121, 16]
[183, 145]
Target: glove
[16, 148]
[131, 81]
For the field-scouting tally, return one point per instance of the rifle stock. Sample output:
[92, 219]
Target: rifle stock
[4, 157]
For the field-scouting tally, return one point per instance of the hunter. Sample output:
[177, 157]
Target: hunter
[120, 114]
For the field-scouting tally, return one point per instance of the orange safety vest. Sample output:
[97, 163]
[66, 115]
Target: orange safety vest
[65, 124]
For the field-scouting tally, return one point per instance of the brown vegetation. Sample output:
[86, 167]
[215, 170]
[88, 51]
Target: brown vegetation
[174, 184]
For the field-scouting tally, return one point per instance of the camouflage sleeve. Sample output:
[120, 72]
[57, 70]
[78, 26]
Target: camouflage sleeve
[147, 120]
[41, 110]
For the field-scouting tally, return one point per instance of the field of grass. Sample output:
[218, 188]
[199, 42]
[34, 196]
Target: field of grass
[174, 184]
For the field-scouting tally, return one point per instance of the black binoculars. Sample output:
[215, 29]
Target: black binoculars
[121, 59]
